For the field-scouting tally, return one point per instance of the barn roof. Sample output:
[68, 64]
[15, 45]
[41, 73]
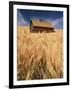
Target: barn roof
[41, 23]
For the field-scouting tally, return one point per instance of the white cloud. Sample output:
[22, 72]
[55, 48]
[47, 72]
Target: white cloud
[57, 21]
[20, 19]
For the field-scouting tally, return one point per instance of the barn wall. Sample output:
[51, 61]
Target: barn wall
[31, 26]
[41, 29]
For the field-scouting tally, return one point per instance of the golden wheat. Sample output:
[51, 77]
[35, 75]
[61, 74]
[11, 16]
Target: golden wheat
[40, 55]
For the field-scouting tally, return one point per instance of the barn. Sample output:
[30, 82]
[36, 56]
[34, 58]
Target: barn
[40, 26]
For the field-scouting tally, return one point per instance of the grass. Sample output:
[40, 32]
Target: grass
[40, 55]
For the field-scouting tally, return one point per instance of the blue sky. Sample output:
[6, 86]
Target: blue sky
[24, 17]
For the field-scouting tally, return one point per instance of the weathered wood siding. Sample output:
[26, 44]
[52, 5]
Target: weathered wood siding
[41, 29]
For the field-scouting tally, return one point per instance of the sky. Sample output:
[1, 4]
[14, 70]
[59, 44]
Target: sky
[55, 17]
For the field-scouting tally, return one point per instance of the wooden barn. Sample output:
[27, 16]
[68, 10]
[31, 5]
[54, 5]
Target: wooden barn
[40, 26]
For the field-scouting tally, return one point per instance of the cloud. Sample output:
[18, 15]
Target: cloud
[57, 21]
[21, 20]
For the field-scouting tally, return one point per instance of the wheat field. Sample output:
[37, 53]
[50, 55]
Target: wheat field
[40, 55]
